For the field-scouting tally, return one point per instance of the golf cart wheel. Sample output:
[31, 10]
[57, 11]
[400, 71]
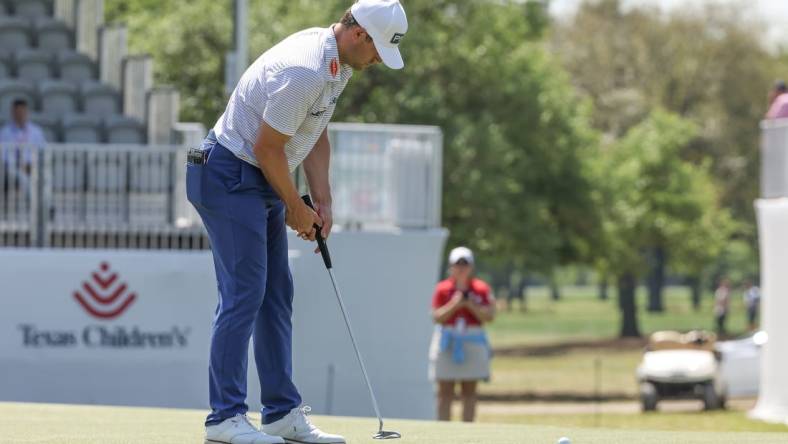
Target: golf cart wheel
[711, 400]
[648, 397]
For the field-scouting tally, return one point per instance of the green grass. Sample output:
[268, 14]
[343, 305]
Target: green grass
[572, 372]
[700, 421]
[50, 423]
[579, 315]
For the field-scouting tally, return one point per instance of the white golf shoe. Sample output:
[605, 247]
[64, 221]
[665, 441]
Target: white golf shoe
[297, 428]
[238, 430]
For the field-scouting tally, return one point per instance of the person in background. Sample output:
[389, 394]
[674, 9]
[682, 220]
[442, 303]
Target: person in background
[17, 137]
[752, 302]
[778, 101]
[460, 352]
[722, 301]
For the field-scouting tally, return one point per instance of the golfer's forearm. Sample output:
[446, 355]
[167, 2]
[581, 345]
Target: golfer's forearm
[273, 163]
[269, 150]
[316, 166]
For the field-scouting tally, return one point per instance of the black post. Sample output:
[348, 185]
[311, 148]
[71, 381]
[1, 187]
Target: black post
[627, 284]
[656, 280]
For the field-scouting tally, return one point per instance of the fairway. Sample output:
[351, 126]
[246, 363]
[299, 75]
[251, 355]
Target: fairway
[54, 423]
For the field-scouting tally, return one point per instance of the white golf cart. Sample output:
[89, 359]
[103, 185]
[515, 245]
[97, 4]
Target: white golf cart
[681, 366]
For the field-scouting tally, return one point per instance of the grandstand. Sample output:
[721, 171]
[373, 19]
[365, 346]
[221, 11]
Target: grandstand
[107, 176]
[74, 83]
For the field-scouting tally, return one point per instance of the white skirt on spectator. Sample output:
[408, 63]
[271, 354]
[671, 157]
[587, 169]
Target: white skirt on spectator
[475, 365]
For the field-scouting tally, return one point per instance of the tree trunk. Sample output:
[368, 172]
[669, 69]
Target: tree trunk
[522, 287]
[602, 289]
[627, 284]
[695, 288]
[656, 280]
[555, 291]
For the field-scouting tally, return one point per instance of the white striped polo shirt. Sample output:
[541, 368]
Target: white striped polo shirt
[294, 87]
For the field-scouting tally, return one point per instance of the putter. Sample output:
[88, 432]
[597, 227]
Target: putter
[321, 243]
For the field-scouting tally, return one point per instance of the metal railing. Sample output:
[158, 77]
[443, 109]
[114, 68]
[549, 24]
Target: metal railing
[133, 196]
[386, 176]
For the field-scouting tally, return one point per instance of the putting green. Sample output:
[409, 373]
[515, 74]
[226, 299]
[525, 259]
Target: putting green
[55, 423]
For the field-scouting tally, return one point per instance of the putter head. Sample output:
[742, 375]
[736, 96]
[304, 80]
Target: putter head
[386, 435]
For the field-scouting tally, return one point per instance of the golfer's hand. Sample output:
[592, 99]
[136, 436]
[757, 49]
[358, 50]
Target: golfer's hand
[324, 211]
[302, 220]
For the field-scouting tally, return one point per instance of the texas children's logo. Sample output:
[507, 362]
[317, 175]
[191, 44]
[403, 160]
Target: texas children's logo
[103, 296]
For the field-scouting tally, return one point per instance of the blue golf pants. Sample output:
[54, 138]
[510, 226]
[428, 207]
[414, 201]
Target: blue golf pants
[245, 220]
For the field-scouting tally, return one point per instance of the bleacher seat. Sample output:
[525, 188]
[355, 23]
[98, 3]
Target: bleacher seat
[31, 8]
[12, 89]
[15, 33]
[33, 65]
[81, 128]
[99, 99]
[122, 129]
[52, 35]
[75, 67]
[49, 125]
[57, 97]
[6, 65]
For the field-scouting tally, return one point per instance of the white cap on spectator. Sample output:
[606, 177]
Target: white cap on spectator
[461, 253]
[386, 23]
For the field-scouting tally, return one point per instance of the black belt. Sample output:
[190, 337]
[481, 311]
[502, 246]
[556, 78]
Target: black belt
[196, 156]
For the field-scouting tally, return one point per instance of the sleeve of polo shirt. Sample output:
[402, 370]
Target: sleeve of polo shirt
[291, 92]
[439, 298]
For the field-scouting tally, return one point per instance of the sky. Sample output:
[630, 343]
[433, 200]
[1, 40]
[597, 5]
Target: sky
[774, 13]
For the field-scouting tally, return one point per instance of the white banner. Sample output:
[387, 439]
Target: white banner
[773, 394]
[133, 327]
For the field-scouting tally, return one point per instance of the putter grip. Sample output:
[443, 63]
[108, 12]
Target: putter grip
[321, 243]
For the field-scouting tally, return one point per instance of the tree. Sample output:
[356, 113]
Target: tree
[706, 65]
[653, 198]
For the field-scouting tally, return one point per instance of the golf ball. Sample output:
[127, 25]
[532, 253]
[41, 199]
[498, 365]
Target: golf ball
[564, 440]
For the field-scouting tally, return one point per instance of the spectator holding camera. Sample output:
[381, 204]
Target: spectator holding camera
[459, 352]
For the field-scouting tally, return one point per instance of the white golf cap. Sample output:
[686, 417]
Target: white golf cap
[386, 23]
[459, 254]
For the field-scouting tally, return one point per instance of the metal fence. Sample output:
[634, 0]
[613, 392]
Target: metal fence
[133, 196]
[386, 176]
[96, 196]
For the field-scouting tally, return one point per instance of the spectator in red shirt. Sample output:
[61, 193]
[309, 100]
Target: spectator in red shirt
[459, 352]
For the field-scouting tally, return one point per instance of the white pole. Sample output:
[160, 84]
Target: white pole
[235, 61]
[772, 211]
[241, 37]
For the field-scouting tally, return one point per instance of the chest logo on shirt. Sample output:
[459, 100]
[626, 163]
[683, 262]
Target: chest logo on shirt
[334, 67]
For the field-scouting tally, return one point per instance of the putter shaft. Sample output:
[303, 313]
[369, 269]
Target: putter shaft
[355, 348]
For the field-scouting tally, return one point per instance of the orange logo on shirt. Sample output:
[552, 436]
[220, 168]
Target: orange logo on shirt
[334, 67]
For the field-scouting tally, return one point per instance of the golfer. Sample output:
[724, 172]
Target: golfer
[239, 182]
[459, 352]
